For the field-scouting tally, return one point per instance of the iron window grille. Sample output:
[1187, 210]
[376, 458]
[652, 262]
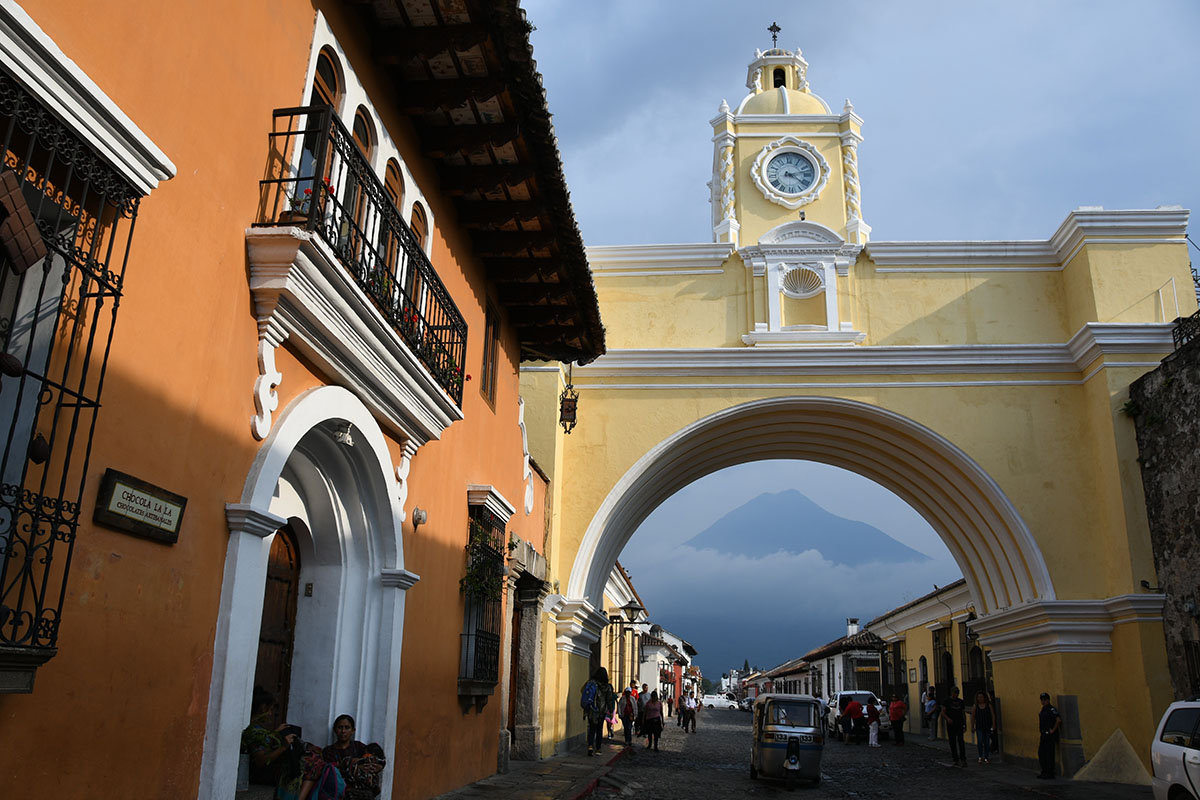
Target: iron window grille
[66, 222]
[317, 179]
[479, 663]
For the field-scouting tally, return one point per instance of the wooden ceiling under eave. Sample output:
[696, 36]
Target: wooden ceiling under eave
[464, 73]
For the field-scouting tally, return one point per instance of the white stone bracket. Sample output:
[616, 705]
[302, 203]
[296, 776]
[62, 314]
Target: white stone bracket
[526, 470]
[266, 399]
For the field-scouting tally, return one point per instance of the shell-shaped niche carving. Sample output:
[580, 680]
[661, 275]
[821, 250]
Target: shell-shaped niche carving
[802, 281]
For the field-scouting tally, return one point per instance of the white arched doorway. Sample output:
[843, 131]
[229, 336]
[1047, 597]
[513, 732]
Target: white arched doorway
[991, 544]
[342, 502]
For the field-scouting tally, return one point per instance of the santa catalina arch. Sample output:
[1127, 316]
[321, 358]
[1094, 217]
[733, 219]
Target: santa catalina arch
[981, 381]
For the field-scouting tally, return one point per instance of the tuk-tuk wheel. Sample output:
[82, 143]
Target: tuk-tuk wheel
[753, 773]
[791, 780]
[816, 781]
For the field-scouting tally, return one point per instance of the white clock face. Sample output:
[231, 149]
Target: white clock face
[791, 173]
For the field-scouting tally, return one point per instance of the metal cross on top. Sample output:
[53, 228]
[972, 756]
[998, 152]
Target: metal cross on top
[774, 29]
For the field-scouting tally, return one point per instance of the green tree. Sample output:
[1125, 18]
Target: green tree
[746, 666]
[706, 686]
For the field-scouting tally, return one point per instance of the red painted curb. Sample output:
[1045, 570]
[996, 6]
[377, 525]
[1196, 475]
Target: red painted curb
[595, 782]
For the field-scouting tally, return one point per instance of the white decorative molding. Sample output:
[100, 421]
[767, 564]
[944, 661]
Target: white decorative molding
[659, 259]
[402, 470]
[1164, 225]
[247, 518]
[300, 288]
[789, 144]
[526, 470]
[981, 527]
[60, 85]
[266, 399]
[922, 611]
[486, 495]
[1063, 626]
[1092, 341]
[398, 579]
[798, 337]
[801, 281]
[578, 625]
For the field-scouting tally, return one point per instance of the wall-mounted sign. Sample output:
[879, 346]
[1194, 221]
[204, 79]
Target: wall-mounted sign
[912, 675]
[135, 506]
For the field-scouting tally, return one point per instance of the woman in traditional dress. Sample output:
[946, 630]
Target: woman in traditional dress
[361, 765]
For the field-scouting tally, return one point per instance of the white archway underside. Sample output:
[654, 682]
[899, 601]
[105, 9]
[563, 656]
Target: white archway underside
[986, 536]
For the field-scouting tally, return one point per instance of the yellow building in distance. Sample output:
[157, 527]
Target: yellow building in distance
[981, 381]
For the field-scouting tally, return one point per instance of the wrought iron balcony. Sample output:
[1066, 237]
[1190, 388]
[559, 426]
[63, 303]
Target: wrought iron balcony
[317, 179]
[66, 221]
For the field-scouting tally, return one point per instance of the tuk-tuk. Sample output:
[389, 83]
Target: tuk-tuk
[788, 738]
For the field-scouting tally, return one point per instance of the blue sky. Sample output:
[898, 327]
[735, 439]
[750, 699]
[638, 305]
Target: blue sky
[983, 120]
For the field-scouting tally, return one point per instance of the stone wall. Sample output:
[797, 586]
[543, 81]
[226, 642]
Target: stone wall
[1165, 405]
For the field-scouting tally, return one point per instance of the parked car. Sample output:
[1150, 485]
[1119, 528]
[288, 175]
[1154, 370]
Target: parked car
[718, 701]
[838, 702]
[1175, 752]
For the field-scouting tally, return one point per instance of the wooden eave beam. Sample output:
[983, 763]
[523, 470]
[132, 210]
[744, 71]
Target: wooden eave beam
[498, 212]
[541, 316]
[513, 295]
[441, 141]
[422, 97]
[396, 45]
[511, 243]
[485, 178]
[522, 270]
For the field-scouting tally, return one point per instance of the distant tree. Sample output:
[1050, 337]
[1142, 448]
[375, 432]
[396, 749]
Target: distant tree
[706, 686]
[746, 665]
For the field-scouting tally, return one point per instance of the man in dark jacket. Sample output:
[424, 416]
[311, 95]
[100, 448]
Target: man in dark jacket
[1049, 723]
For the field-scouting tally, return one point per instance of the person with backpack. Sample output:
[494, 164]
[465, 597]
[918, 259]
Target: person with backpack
[596, 700]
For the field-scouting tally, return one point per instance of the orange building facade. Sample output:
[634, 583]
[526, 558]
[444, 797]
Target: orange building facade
[332, 232]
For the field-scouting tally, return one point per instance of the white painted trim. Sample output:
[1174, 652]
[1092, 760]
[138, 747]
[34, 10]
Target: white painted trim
[786, 119]
[486, 495]
[703, 255]
[578, 624]
[299, 285]
[803, 338]
[1165, 225]
[61, 86]
[654, 273]
[1063, 626]
[1091, 342]
[982, 529]
[922, 613]
[790, 144]
[356, 554]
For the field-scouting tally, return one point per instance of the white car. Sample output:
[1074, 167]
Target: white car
[838, 702]
[1175, 753]
[717, 701]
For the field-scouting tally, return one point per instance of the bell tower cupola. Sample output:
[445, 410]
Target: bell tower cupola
[786, 194]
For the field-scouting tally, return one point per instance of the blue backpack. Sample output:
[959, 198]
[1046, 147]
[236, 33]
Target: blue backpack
[588, 698]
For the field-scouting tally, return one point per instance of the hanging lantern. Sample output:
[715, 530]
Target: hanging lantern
[568, 404]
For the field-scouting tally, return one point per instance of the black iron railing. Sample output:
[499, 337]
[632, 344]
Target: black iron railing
[479, 663]
[66, 221]
[1186, 329]
[318, 179]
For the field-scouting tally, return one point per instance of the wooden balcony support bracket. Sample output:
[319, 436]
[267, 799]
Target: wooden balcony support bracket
[439, 142]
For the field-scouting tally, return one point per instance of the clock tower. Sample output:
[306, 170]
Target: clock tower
[785, 192]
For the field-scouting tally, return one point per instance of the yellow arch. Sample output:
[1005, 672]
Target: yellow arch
[988, 539]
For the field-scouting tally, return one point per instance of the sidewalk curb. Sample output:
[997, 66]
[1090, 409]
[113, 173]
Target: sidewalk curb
[594, 781]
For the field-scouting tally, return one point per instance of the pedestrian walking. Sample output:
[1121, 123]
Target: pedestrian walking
[898, 714]
[627, 709]
[670, 703]
[983, 720]
[596, 699]
[872, 723]
[642, 697]
[954, 711]
[689, 712]
[1049, 723]
[931, 713]
[652, 723]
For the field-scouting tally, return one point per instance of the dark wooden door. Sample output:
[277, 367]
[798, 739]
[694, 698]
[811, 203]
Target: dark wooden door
[276, 637]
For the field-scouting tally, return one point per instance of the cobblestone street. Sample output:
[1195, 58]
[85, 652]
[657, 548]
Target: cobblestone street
[714, 762]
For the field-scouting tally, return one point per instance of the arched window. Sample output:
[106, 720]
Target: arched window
[364, 135]
[393, 183]
[419, 224]
[779, 78]
[327, 83]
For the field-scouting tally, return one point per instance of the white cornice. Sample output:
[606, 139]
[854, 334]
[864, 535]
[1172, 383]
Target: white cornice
[658, 259]
[790, 119]
[1093, 340]
[1063, 626]
[921, 614]
[804, 338]
[486, 495]
[301, 290]
[398, 578]
[578, 625]
[1092, 226]
[61, 86]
